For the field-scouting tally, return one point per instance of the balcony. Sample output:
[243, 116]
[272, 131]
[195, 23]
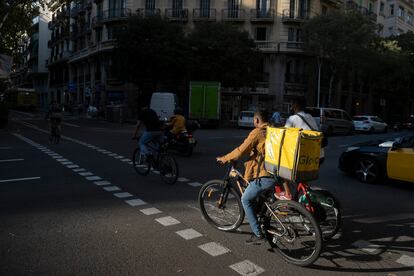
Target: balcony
[204, 14]
[177, 14]
[295, 45]
[113, 15]
[267, 46]
[351, 5]
[233, 15]
[262, 16]
[148, 12]
[289, 16]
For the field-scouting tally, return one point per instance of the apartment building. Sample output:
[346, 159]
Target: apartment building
[83, 39]
[31, 71]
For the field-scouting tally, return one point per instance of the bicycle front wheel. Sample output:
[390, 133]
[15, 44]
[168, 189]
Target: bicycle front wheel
[293, 232]
[141, 165]
[221, 206]
[168, 169]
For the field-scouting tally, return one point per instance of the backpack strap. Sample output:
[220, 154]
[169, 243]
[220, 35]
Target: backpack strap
[303, 119]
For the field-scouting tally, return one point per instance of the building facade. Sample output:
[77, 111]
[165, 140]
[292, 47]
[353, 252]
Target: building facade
[31, 70]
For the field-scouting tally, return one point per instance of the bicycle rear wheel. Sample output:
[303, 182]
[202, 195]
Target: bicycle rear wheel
[226, 216]
[293, 232]
[141, 165]
[332, 213]
[168, 169]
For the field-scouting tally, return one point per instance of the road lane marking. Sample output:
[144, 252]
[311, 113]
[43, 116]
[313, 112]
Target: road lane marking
[72, 166]
[406, 260]
[183, 179]
[214, 249]
[188, 234]
[247, 268]
[135, 202]
[11, 160]
[67, 163]
[167, 221]
[79, 170]
[122, 195]
[69, 124]
[85, 173]
[111, 188]
[102, 183]
[57, 157]
[155, 171]
[19, 179]
[150, 211]
[119, 157]
[62, 160]
[366, 246]
[93, 178]
[126, 160]
[195, 184]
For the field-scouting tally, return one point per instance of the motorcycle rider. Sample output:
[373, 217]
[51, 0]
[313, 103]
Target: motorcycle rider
[176, 125]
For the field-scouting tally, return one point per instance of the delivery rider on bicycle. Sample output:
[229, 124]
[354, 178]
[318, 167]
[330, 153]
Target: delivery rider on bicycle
[55, 115]
[259, 179]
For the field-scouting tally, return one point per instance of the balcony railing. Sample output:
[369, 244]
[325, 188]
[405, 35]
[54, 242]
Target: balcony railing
[177, 14]
[111, 15]
[262, 15]
[290, 16]
[236, 15]
[148, 12]
[295, 45]
[351, 5]
[204, 14]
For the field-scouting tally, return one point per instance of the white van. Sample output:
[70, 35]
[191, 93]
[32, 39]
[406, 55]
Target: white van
[163, 103]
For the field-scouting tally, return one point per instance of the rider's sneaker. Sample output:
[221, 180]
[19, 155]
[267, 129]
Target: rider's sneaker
[255, 240]
[283, 196]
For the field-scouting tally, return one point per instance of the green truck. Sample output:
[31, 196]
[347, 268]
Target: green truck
[204, 102]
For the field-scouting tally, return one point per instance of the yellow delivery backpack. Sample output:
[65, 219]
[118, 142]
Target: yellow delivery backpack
[293, 153]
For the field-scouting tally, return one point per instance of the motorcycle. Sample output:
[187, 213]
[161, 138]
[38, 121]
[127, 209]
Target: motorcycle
[184, 142]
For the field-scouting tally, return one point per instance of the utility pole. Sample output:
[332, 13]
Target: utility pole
[319, 61]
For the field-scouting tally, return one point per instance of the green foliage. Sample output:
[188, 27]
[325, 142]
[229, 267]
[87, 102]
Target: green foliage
[157, 50]
[222, 52]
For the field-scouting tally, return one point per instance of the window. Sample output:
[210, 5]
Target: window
[382, 7]
[295, 35]
[261, 33]
[410, 18]
[392, 9]
[401, 12]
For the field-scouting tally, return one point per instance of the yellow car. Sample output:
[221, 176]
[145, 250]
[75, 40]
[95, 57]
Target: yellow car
[373, 161]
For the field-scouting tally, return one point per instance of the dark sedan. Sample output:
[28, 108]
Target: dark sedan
[373, 161]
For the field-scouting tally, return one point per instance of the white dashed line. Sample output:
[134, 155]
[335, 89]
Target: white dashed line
[111, 188]
[214, 249]
[85, 173]
[195, 184]
[406, 260]
[79, 170]
[151, 211]
[155, 171]
[112, 154]
[67, 163]
[119, 157]
[19, 179]
[247, 268]
[366, 246]
[126, 160]
[62, 160]
[188, 234]
[102, 183]
[183, 179]
[72, 166]
[122, 195]
[167, 221]
[135, 202]
[57, 157]
[93, 178]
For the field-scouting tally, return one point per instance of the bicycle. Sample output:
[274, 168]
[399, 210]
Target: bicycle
[158, 159]
[288, 226]
[54, 136]
[323, 205]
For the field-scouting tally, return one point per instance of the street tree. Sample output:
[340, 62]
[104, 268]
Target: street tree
[150, 50]
[342, 40]
[222, 52]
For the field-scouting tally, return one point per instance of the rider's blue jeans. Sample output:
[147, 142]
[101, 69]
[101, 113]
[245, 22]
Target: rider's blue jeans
[147, 137]
[249, 200]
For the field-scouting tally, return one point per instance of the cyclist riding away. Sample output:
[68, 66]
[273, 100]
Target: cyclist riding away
[305, 121]
[55, 115]
[259, 179]
[151, 126]
[176, 124]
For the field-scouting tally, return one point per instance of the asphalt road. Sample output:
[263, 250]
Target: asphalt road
[79, 208]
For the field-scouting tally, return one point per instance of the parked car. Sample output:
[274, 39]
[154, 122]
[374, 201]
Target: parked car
[373, 161]
[409, 124]
[332, 120]
[246, 119]
[369, 124]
